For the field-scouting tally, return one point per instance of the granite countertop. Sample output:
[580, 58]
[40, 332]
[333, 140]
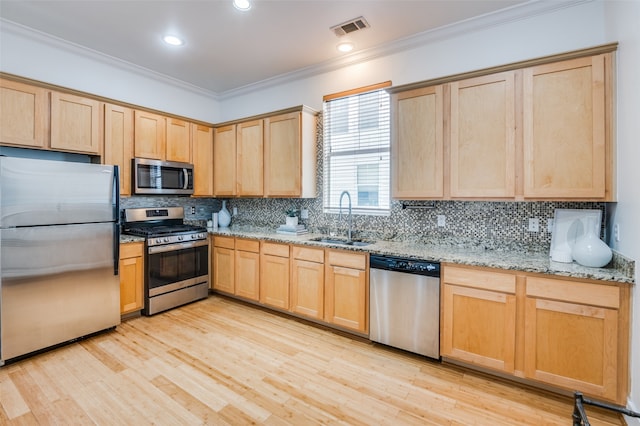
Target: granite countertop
[503, 259]
[125, 238]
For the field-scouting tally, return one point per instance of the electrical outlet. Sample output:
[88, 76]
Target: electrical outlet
[193, 209]
[442, 220]
[235, 211]
[534, 224]
[304, 213]
[550, 226]
[616, 232]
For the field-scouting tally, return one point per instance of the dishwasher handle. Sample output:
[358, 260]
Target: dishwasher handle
[406, 265]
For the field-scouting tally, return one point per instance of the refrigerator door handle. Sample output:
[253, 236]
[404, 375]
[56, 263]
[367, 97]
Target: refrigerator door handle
[116, 224]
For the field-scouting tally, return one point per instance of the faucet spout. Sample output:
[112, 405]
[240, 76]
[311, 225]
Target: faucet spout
[350, 219]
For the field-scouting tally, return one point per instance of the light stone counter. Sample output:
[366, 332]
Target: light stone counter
[124, 239]
[508, 259]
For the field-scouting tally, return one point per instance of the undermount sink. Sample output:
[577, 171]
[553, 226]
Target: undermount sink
[337, 241]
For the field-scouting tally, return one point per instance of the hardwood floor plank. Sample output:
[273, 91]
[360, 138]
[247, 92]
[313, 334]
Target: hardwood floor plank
[221, 362]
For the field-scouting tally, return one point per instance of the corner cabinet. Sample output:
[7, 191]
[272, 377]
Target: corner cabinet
[131, 277]
[571, 334]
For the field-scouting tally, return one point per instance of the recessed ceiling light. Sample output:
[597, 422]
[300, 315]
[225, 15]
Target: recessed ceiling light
[346, 46]
[173, 40]
[242, 4]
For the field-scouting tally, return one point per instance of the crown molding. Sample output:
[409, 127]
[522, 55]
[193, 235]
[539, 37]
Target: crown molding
[502, 17]
[77, 49]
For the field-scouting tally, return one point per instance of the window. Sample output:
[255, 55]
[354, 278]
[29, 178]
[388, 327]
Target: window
[356, 152]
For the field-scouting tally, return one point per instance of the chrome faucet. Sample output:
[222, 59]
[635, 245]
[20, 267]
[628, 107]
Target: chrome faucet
[350, 217]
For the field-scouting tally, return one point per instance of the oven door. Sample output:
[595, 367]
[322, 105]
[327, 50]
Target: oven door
[175, 266]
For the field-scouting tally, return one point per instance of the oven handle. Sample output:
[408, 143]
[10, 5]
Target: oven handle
[177, 246]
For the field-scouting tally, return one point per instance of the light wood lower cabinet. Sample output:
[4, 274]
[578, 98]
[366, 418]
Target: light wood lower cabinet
[247, 265]
[307, 282]
[223, 264]
[131, 277]
[347, 290]
[568, 333]
[274, 275]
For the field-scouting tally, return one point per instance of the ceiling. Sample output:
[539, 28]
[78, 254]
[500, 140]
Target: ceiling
[226, 49]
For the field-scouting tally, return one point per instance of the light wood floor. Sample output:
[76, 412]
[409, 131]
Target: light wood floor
[222, 362]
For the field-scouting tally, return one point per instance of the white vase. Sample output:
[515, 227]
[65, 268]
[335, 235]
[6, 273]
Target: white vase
[224, 217]
[291, 221]
[590, 250]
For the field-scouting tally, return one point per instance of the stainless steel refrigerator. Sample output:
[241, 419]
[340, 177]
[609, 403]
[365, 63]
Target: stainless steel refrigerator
[59, 240]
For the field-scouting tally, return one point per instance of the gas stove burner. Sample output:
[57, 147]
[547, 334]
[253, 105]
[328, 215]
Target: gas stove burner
[162, 230]
[161, 226]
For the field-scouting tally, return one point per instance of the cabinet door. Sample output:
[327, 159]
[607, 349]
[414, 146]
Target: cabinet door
[247, 275]
[118, 142]
[346, 291]
[283, 156]
[307, 288]
[75, 124]
[24, 113]
[178, 140]
[150, 135]
[564, 129]
[131, 277]
[417, 144]
[482, 156]
[224, 269]
[250, 158]
[572, 341]
[202, 144]
[274, 281]
[224, 161]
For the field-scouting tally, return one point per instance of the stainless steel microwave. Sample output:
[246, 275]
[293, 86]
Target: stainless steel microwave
[155, 177]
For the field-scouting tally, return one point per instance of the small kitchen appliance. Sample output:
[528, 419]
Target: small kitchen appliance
[176, 260]
[155, 177]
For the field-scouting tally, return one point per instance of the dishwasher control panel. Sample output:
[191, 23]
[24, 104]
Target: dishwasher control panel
[401, 264]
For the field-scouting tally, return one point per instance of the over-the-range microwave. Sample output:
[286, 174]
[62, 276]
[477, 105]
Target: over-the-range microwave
[156, 177]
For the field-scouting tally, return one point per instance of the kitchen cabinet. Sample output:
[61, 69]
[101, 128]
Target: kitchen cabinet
[566, 140]
[479, 317]
[417, 144]
[118, 142]
[274, 275]
[250, 159]
[247, 269]
[223, 264]
[178, 146]
[202, 146]
[24, 115]
[307, 282]
[150, 135]
[347, 290]
[482, 137]
[575, 337]
[290, 155]
[75, 124]
[131, 277]
[224, 161]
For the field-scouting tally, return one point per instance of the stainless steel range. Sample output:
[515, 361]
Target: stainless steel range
[177, 257]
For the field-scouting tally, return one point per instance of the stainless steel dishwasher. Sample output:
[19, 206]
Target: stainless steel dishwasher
[405, 304]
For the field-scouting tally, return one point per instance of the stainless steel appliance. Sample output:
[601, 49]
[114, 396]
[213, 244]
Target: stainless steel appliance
[405, 304]
[155, 177]
[59, 240]
[177, 257]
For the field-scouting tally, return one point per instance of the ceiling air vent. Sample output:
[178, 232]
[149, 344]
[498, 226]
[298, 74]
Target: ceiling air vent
[350, 26]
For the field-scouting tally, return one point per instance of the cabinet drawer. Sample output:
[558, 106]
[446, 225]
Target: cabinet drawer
[226, 242]
[486, 280]
[347, 259]
[308, 254]
[572, 291]
[274, 249]
[248, 245]
[128, 250]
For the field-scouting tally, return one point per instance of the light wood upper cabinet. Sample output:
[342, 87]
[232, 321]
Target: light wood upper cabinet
[224, 161]
[202, 146]
[307, 282]
[479, 317]
[347, 290]
[75, 124]
[178, 140]
[250, 159]
[482, 138]
[274, 275]
[118, 142]
[290, 155]
[417, 144]
[131, 277]
[24, 115]
[565, 129]
[150, 135]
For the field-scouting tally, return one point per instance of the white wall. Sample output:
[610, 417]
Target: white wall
[45, 59]
[622, 19]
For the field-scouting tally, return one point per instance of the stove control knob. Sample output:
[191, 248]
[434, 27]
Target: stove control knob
[166, 239]
[180, 237]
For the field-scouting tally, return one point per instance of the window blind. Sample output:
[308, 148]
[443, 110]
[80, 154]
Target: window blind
[356, 152]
